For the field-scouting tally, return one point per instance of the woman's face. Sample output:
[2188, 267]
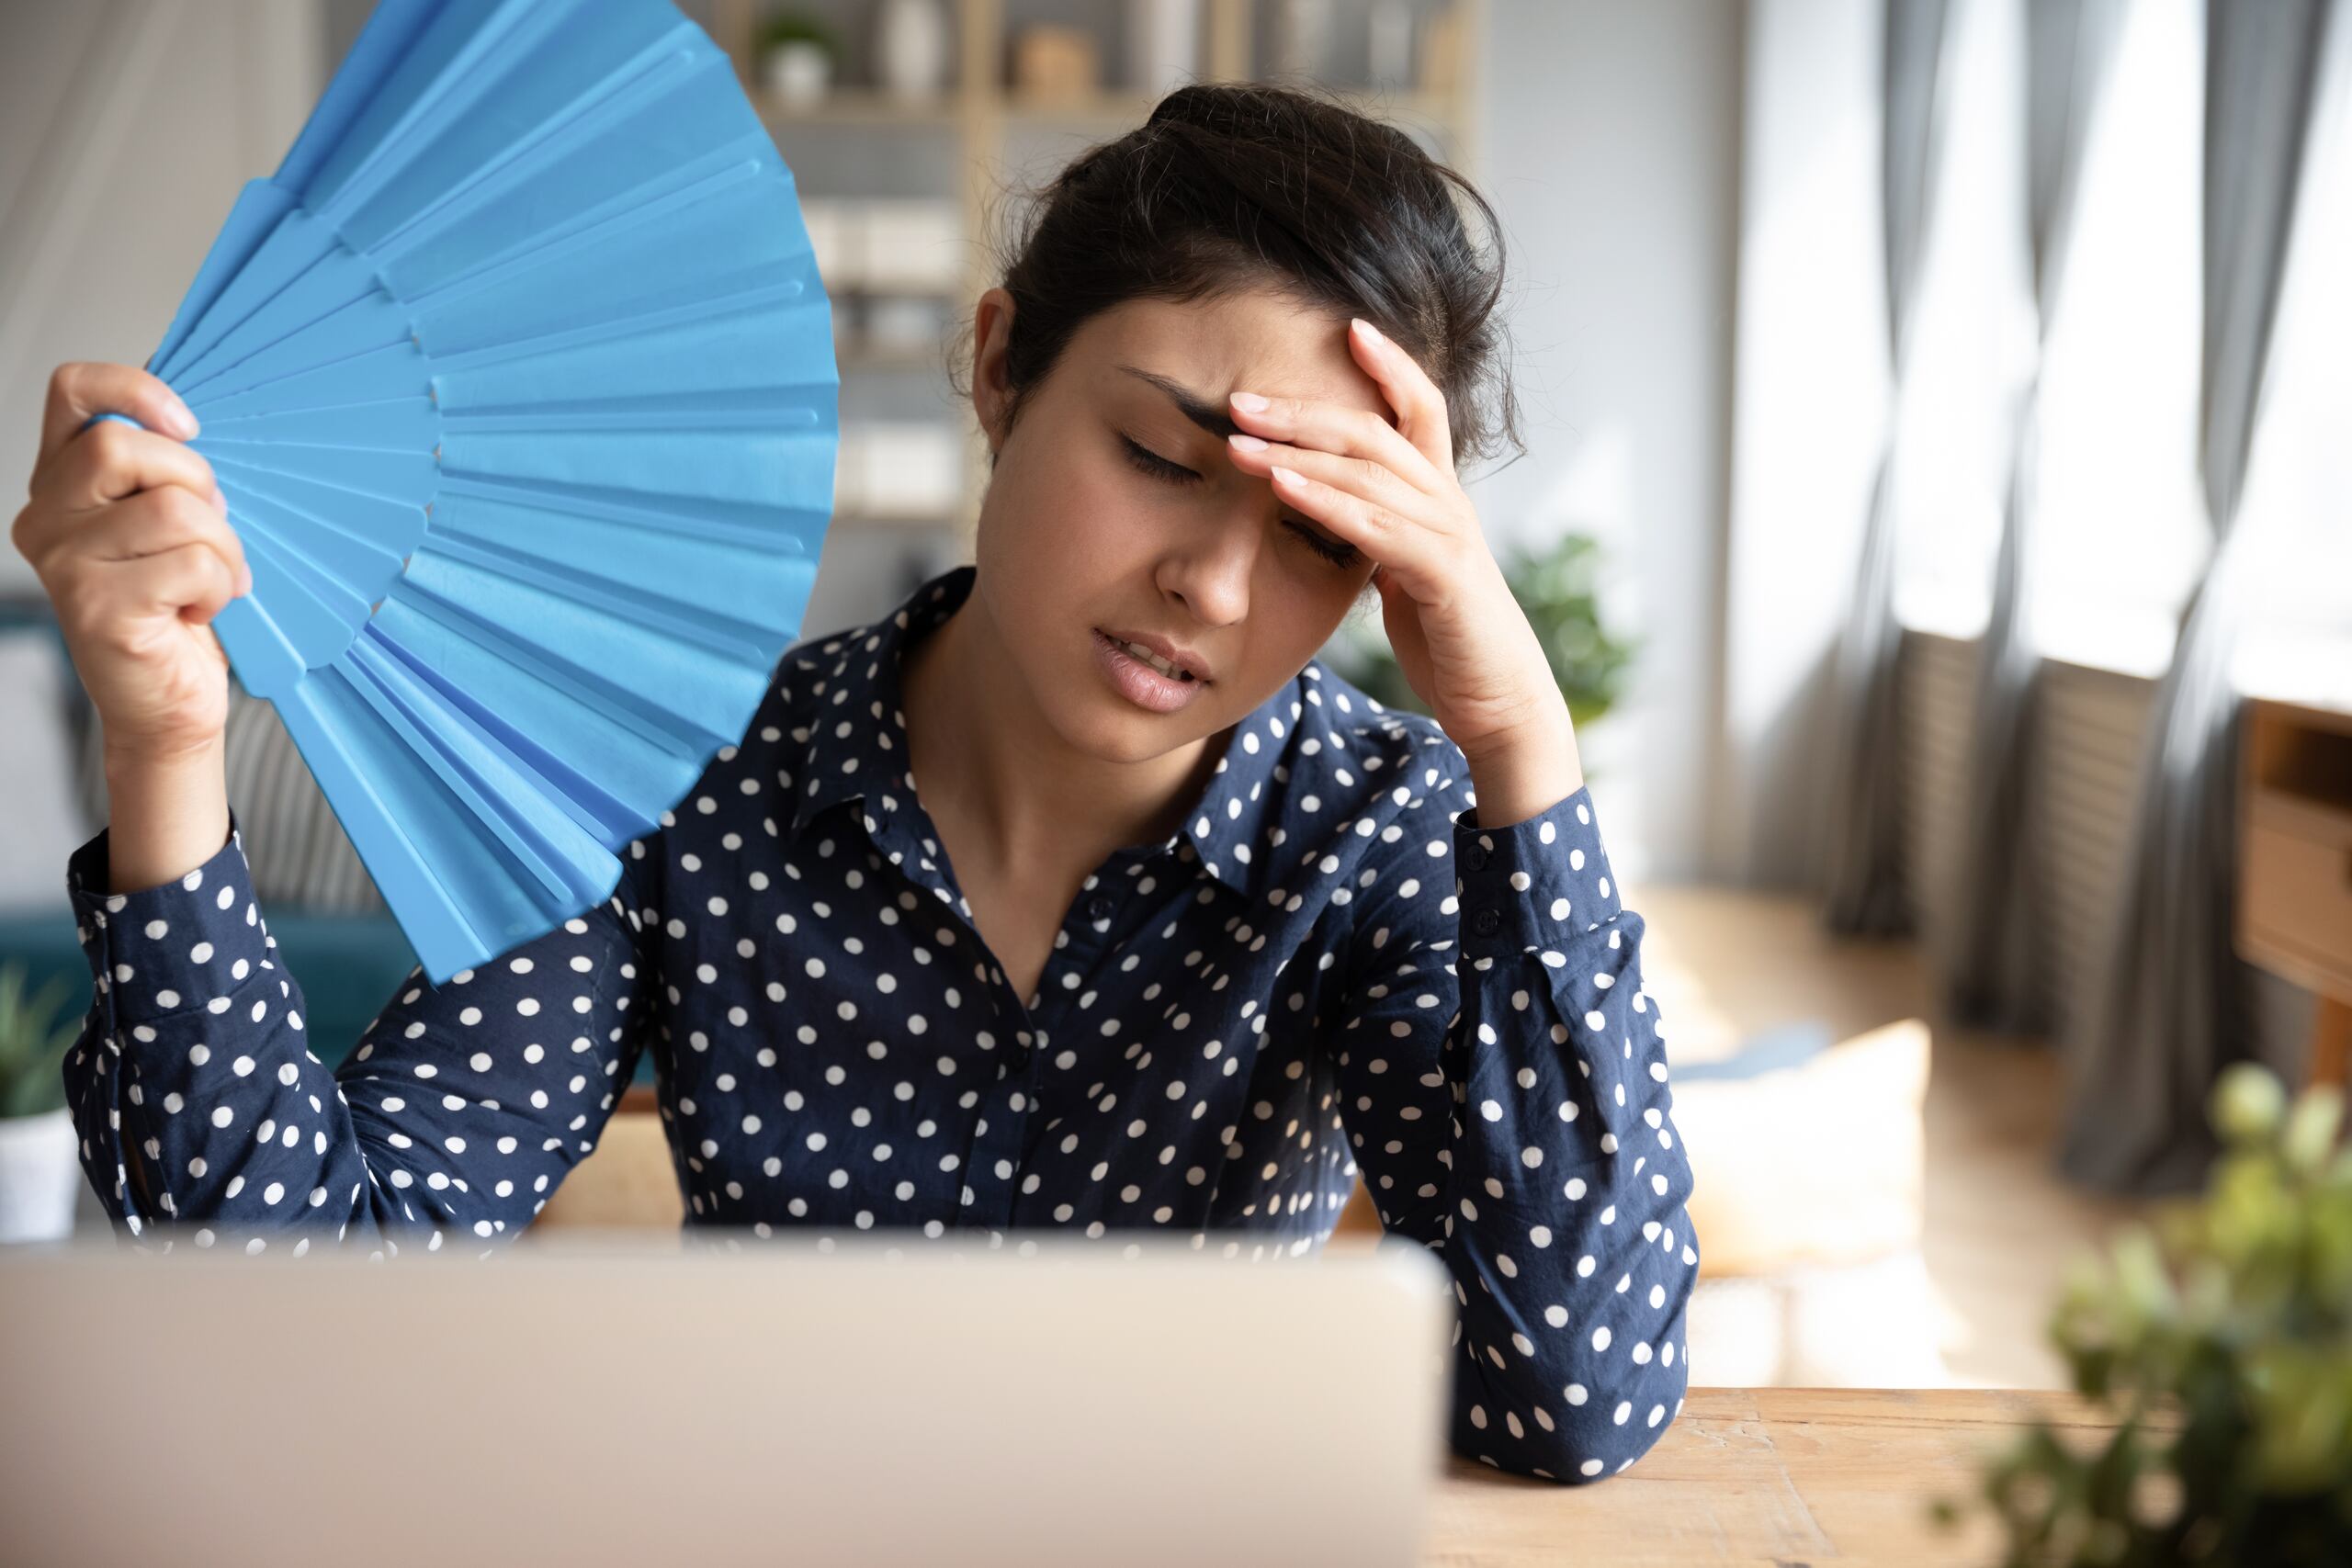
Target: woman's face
[1113, 508]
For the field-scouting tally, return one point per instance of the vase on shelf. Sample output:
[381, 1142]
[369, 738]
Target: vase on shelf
[1163, 45]
[1390, 48]
[910, 45]
[1301, 39]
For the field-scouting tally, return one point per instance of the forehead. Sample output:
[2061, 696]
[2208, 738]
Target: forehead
[1258, 340]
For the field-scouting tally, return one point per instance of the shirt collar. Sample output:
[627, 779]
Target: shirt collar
[853, 729]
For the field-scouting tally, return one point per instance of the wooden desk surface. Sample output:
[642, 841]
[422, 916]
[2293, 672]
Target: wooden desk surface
[1764, 1476]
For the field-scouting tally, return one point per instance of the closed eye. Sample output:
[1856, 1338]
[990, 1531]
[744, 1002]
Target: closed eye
[1146, 461]
[1152, 463]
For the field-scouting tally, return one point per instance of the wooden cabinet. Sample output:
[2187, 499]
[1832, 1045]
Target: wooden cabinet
[2295, 863]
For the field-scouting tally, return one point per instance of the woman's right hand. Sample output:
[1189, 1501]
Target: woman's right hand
[130, 534]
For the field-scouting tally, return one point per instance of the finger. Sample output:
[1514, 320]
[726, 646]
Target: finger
[1420, 407]
[1403, 547]
[103, 468]
[110, 461]
[79, 392]
[157, 521]
[1351, 432]
[1371, 481]
[191, 582]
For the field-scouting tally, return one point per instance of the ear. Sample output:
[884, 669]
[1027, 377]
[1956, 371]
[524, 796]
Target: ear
[991, 338]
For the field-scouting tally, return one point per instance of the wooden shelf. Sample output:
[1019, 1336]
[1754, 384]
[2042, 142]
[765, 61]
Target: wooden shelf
[859, 107]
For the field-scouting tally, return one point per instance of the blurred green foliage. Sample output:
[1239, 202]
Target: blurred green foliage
[33, 1044]
[1556, 590]
[799, 26]
[2228, 1319]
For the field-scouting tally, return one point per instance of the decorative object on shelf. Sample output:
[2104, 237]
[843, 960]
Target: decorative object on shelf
[41, 1168]
[1055, 64]
[519, 377]
[1389, 49]
[1163, 45]
[910, 47]
[797, 57]
[1302, 42]
[2220, 1330]
[1557, 589]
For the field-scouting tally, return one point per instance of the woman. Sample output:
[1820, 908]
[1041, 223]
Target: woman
[1178, 932]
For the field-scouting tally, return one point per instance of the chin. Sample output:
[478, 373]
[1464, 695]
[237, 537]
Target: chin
[1100, 723]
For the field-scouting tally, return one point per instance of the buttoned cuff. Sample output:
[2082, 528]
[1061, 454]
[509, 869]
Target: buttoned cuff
[180, 947]
[1536, 883]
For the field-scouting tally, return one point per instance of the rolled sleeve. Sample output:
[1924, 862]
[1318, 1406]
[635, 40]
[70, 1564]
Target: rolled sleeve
[1534, 883]
[186, 945]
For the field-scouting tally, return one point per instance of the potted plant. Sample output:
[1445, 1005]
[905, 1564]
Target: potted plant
[39, 1166]
[797, 52]
[1557, 590]
[2221, 1331]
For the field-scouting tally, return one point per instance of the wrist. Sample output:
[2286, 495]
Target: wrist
[1527, 772]
[168, 813]
[128, 758]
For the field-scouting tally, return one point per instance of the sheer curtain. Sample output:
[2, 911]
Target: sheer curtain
[2171, 1012]
[1863, 874]
[2069, 45]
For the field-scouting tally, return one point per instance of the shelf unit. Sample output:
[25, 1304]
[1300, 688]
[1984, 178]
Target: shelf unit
[980, 112]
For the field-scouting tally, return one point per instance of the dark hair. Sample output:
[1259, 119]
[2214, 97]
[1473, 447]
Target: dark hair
[1232, 185]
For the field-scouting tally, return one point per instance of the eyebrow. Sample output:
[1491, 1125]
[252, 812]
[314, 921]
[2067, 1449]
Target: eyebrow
[1191, 404]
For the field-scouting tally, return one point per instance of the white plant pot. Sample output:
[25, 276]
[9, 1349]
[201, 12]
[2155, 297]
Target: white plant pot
[799, 75]
[41, 1174]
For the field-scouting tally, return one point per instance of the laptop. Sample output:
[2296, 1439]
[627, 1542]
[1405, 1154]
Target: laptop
[598, 1398]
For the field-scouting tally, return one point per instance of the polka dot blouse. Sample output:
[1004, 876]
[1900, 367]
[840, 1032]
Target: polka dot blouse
[1330, 968]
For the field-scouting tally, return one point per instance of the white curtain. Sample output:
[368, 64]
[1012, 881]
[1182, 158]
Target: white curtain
[2171, 1011]
[1863, 876]
[2069, 46]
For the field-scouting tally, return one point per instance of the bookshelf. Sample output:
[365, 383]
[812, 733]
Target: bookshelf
[981, 119]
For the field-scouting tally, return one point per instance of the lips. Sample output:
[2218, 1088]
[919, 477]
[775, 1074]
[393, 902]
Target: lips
[1141, 680]
[1173, 654]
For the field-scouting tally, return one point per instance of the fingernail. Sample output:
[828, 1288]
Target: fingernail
[1248, 402]
[1371, 333]
[244, 580]
[1285, 476]
[183, 423]
[1246, 443]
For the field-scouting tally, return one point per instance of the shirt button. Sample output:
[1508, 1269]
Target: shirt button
[1474, 857]
[1485, 922]
[1099, 907]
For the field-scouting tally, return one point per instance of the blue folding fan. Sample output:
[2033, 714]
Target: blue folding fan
[519, 379]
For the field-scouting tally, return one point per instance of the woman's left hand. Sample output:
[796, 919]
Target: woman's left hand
[1460, 639]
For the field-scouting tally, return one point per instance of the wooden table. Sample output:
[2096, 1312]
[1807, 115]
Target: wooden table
[1765, 1476]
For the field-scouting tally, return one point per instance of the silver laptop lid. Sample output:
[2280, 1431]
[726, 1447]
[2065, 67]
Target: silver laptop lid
[614, 1398]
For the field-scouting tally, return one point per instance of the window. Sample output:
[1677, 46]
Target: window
[2122, 536]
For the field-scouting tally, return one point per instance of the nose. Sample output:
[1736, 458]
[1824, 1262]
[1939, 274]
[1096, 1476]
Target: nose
[1211, 573]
